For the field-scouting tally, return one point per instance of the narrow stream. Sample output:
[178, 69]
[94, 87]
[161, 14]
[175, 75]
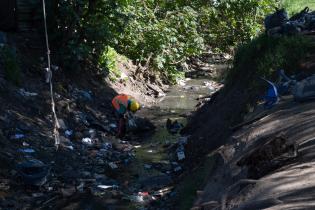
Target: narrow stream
[154, 163]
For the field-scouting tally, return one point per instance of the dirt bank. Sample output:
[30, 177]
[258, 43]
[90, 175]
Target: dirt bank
[266, 164]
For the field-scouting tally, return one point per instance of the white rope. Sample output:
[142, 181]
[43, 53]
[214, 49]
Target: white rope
[55, 119]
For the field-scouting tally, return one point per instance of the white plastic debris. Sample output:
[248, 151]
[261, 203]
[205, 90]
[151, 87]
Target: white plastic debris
[113, 165]
[27, 150]
[87, 141]
[68, 133]
[25, 144]
[105, 187]
[112, 125]
[25, 93]
[62, 124]
[69, 147]
[181, 155]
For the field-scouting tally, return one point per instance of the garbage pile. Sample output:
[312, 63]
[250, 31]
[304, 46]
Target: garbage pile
[279, 23]
[301, 87]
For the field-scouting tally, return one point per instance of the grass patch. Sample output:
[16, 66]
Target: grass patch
[294, 6]
[263, 56]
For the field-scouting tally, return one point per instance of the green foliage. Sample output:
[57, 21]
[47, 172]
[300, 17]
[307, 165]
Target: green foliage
[160, 33]
[167, 40]
[83, 28]
[10, 63]
[294, 6]
[108, 63]
[263, 56]
[232, 22]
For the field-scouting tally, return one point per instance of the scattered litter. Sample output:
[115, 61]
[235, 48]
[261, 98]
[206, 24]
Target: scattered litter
[87, 141]
[26, 94]
[141, 197]
[173, 127]
[25, 144]
[92, 133]
[106, 187]
[112, 125]
[305, 89]
[37, 195]
[147, 166]
[271, 97]
[107, 146]
[183, 140]
[181, 82]
[83, 95]
[69, 147]
[113, 165]
[80, 187]
[33, 172]
[278, 23]
[17, 136]
[181, 155]
[62, 124]
[177, 169]
[68, 133]
[137, 146]
[27, 150]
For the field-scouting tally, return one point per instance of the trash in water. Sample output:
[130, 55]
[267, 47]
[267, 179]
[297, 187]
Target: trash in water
[27, 150]
[87, 141]
[26, 94]
[107, 146]
[33, 172]
[173, 127]
[17, 136]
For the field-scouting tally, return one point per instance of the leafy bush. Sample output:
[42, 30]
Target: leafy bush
[263, 56]
[168, 40]
[82, 29]
[108, 63]
[161, 33]
[231, 22]
[11, 67]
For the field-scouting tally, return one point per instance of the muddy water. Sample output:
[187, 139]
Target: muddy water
[151, 148]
